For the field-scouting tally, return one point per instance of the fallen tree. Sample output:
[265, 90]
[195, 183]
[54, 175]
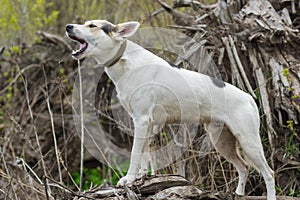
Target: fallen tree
[169, 187]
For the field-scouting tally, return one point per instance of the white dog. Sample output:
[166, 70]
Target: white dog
[152, 91]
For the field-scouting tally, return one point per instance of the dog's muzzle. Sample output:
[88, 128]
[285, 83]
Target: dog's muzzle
[83, 44]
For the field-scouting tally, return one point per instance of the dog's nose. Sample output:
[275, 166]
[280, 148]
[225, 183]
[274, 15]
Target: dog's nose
[69, 27]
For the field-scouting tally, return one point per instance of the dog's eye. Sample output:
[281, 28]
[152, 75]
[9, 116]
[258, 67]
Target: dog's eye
[92, 26]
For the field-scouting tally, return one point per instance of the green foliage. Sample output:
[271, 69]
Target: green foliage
[291, 193]
[294, 193]
[286, 73]
[15, 49]
[165, 137]
[21, 19]
[292, 147]
[112, 101]
[8, 94]
[93, 177]
[290, 124]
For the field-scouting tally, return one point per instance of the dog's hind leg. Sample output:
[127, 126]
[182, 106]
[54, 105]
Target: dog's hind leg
[248, 136]
[226, 144]
[257, 158]
[253, 150]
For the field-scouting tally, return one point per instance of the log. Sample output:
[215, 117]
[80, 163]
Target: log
[171, 187]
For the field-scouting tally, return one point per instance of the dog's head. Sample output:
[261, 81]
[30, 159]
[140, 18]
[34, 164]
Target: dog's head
[99, 38]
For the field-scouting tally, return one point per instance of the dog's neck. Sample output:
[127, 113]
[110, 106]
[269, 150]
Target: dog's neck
[133, 57]
[117, 56]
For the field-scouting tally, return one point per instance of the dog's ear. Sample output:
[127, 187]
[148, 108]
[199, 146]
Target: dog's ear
[125, 30]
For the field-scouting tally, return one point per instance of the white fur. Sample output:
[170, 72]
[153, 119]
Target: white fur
[154, 92]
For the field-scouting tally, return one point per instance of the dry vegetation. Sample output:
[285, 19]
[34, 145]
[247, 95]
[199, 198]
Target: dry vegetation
[254, 49]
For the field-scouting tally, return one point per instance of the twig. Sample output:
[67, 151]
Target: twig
[2, 152]
[293, 6]
[205, 6]
[200, 18]
[190, 28]
[68, 190]
[241, 68]
[63, 125]
[120, 125]
[157, 12]
[92, 138]
[19, 128]
[178, 17]
[81, 126]
[52, 125]
[18, 75]
[102, 153]
[22, 184]
[234, 69]
[223, 173]
[47, 188]
[73, 181]
[264, 99]
[60, 185]
[26, 166]
[55, 39]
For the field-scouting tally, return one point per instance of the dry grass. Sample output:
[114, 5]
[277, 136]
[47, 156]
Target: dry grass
[40, 147]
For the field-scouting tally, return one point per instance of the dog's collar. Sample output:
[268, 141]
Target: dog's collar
[118, 55]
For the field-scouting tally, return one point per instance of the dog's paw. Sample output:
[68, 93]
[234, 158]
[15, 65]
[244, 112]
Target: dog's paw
[126, 180]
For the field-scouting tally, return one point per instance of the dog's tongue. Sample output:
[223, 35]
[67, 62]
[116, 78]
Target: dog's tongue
[81, 49]
[82, 46]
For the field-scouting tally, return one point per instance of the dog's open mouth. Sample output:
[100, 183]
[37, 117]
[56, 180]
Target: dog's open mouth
[83, 46]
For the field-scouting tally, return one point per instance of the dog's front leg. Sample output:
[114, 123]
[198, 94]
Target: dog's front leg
[140, 136]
